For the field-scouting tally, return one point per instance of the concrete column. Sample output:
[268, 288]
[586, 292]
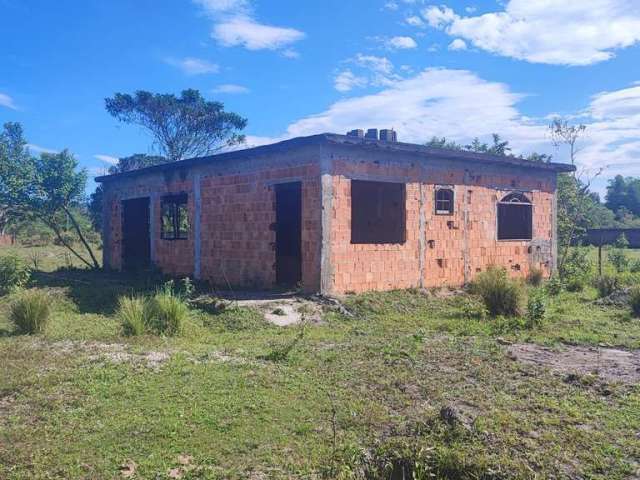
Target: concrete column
[326, 192]
[197, 202]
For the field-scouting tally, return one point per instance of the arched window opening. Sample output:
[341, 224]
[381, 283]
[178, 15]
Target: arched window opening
[515, 217]
[444, 201]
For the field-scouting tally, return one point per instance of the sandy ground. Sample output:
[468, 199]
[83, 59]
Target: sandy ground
[609, 364]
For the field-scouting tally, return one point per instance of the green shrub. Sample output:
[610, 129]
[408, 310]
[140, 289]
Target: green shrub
[576, 264]
[536, 309]
[618, 256]
[132, 314]
[634, 267]
[607, 284]
[535, 277]
[167, 312]
[14, 273]
[575, 283]
[30, 311]
[634, 300]
[554, 286]
[500, 295]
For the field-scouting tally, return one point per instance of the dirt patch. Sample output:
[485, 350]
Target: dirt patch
[610, 364]
[286, 311]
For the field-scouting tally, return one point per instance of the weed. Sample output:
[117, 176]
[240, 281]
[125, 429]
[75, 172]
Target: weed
[14, 273]
[634, 266]
[554, 286]
[536, 309]
[30, 311]
[634, 301]
[132, 314]
[500, 295]
[166, 312]
[607, 284]
[280, 353]
[535, 277]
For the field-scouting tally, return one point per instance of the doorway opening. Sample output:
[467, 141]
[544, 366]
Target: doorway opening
[288, 233]
[136, 241]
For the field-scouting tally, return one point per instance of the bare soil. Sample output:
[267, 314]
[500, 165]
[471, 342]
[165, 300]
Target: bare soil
[609, 364]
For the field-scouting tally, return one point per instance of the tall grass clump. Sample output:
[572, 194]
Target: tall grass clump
[14, 273]
[167, 312]
[535, 277]
[634, 300]
[132, 314]
[30, 311]
[607, 284]
[501, 295]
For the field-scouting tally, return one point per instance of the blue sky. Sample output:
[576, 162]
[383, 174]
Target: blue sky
[457, 68]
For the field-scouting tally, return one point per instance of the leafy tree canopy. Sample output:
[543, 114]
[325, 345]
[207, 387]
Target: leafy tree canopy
[498, 147]
[623, 196]
[181, 127]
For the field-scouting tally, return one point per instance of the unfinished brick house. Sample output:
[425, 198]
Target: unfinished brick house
[334, 214]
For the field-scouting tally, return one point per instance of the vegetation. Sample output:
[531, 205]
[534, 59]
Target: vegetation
[182, 126]
[30, 311]
[14, 273]
[132, 314]
[535, 277]
[634, 300]
[607, 284]
[414, 382]
[501, 295]
[166, 312]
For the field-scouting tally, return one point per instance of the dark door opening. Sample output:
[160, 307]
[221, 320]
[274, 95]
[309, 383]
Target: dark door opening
[288, 233]
[136, 242]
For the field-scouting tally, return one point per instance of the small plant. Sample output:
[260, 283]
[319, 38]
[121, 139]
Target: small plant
[575, 283]
[634, 267]
[500, 295]
[167, 312]
[132, 313]
[14, 273]
[535, 276]
[634, 301]
[472, 308]
[554, 286]
[30, 311]
[607, 284]
[187, 288]
[617, 256]
[577, 264]
[536, 309]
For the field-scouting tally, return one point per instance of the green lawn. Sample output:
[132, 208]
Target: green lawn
[355, 397]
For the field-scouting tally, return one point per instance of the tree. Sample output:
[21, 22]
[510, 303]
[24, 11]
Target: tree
[181, 126]
[563, 133]
[623, 196]
[48, 188]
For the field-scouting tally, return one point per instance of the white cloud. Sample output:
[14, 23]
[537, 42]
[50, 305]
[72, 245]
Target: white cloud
[414, 21]
[107, 159]
[230, 88]
[7, 101]
[246, 32]
[235, 25]
[193, 66]
[347, 80]
[459, 105]
[290, 53]
[401, 43]
[39, 149]
[458, 44]
[547, 31]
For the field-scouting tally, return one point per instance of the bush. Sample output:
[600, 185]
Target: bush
[500, 295]
[634, 267]
[30, 311]
[554, 285]
[618, 257]
[607, 284]
[167, 312]
[575, 283]
[536, 309]
[577, 264]
[14, 273]
[132, 313]
[535, 277]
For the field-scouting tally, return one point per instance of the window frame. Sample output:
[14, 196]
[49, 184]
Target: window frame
[177, 203]
[402, 238]
[439, 189]
[517, 199]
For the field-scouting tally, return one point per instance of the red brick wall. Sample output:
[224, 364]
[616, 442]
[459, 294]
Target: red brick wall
[357, 268]
[237, 210]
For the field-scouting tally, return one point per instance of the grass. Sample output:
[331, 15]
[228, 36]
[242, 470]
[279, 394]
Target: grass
[353, 397]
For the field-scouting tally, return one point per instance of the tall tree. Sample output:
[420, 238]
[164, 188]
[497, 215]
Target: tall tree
[48, 188]
[623, 195]
[563, 133]
[181, 127]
